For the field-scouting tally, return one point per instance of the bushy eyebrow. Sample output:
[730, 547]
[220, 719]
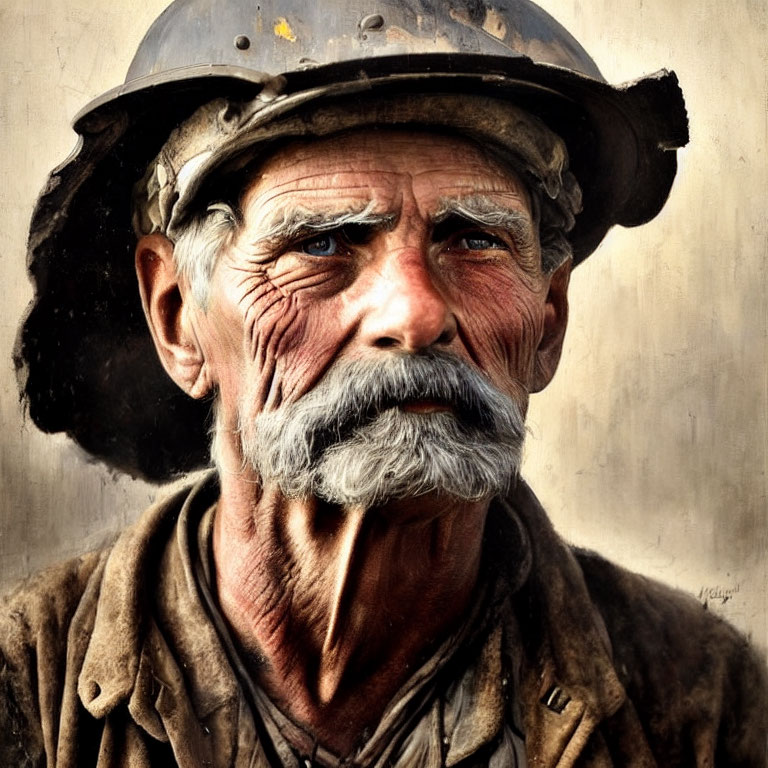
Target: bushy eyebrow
[485, 211]
[289, 224]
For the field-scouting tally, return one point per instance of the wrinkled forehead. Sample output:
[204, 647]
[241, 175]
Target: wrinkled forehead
[377, 169]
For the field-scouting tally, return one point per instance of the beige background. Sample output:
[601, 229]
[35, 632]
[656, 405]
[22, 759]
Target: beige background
[651, 444]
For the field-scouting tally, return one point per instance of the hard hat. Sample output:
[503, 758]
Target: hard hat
[86, 360]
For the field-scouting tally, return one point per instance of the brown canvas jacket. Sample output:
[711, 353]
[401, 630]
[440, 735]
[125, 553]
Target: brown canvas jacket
[111, 660]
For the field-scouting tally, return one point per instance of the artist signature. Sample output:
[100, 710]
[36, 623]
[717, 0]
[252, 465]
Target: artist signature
[718, 594]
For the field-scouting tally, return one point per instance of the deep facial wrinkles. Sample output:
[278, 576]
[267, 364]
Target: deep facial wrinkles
[263, 339]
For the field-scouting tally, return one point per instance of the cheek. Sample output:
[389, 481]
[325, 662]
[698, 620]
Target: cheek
[501, 320]
[282, 323]
[317, 336]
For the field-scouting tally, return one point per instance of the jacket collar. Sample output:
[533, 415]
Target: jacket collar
[141, 648]
[568, 681]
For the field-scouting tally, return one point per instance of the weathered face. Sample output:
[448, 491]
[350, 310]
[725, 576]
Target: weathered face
[370, 244]
[375, 323]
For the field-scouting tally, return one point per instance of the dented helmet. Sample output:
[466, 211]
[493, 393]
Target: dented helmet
[86, 361]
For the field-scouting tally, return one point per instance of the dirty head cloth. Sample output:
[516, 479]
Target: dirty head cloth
[85, 361]
[222, 137]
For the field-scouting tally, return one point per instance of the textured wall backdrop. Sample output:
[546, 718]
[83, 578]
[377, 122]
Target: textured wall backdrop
[650, 445]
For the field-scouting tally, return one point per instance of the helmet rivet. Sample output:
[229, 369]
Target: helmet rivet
[373, 21]
[242, 42]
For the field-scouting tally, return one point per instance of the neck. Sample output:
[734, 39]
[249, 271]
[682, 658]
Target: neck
[339, 605]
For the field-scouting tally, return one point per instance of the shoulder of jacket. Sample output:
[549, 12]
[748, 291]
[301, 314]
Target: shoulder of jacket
[35, 619]
[49, 596]
[641, 611]
[684, 668]
[46, 624]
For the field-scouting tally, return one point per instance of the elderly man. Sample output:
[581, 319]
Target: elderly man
[360, 261]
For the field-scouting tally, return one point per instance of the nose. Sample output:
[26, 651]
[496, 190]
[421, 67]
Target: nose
[407, 309]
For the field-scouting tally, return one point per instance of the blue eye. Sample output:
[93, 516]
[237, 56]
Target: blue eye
[325, 245]
[481, 241]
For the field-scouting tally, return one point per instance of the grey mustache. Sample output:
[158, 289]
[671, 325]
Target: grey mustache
[355, 393]
[347, 442]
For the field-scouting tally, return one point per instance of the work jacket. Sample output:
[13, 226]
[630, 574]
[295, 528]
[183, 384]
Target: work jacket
[118, 659]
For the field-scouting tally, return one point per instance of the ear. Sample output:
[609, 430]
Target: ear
[555, 321]
[168, 312]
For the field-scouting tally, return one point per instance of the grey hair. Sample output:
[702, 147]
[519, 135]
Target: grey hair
[554, 208]
[198, 245]
[556, 218]
[349, 441]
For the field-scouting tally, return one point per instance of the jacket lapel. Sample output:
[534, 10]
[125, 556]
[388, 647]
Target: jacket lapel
[153, 647]
[569, 686]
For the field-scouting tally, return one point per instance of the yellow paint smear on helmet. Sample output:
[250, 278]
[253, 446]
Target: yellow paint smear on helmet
[283, 29]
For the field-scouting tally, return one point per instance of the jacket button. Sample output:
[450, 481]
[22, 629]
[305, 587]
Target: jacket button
[555, 699]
